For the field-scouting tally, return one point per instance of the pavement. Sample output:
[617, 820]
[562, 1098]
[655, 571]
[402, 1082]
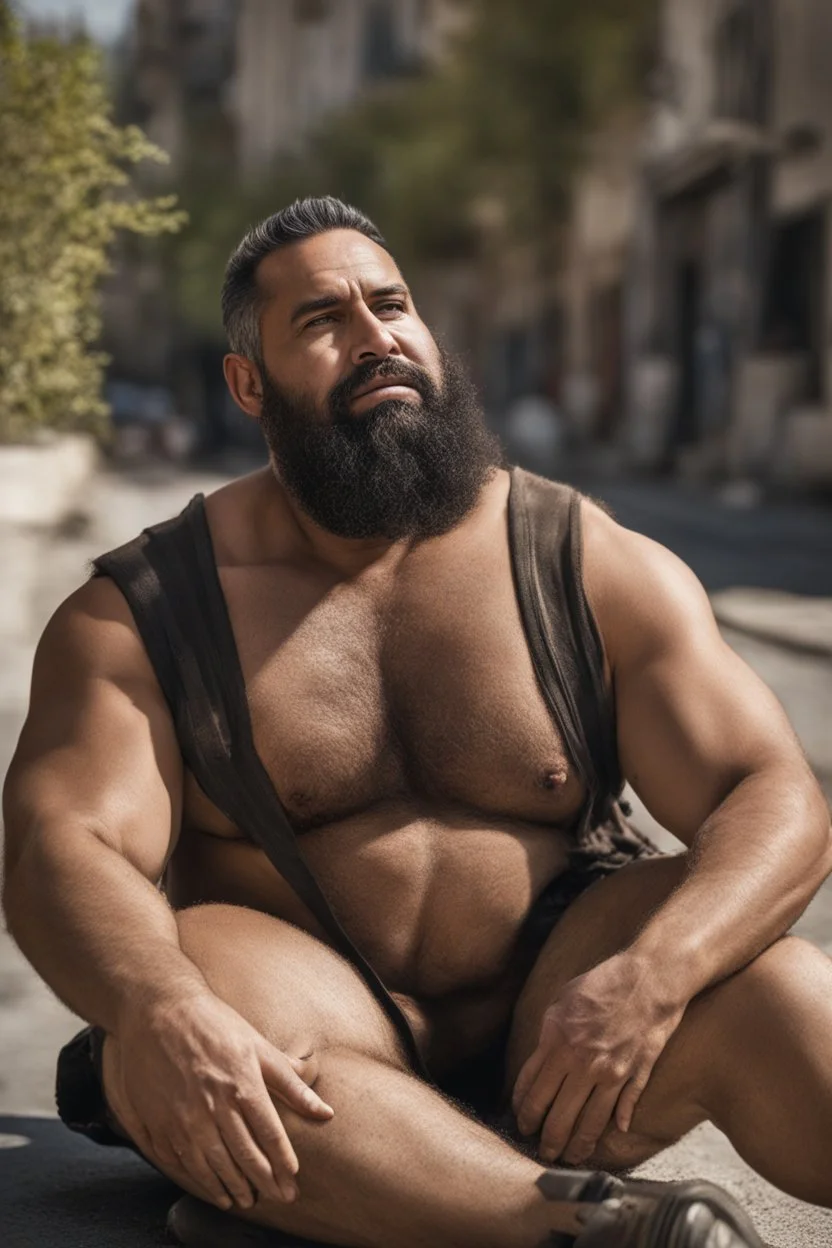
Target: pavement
[798, 623]
[769, 572]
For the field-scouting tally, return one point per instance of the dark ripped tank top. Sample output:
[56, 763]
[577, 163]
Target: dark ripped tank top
[170, 580]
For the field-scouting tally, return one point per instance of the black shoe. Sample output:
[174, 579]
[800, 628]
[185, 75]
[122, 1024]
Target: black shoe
[637, 1214]
[199, 1225]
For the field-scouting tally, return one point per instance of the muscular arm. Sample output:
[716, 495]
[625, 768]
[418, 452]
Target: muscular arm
[92, 806]
[92, 809]
[709, 750]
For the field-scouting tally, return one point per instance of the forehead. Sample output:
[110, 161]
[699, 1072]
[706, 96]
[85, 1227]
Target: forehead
[326, 264]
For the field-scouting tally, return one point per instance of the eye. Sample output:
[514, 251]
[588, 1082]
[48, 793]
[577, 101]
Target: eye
[391, 306]
[319, 320]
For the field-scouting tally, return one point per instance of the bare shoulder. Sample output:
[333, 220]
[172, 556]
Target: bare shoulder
[92, 635]
[645, 599]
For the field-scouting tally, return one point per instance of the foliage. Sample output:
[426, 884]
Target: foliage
[64, 195]
[532, 89]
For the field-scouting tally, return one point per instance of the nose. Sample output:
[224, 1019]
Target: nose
[372, 339]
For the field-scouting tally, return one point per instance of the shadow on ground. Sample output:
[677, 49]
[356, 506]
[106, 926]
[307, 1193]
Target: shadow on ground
[58, 1188]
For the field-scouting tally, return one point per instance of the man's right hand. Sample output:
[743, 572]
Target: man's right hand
[190, 1083]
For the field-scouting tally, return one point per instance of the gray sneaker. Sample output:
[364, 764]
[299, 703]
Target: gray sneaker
[638, 1214]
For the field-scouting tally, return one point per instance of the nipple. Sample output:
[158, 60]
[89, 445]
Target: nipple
[555, 779]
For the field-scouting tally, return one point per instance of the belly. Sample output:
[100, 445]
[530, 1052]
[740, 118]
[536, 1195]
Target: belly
[434, 901]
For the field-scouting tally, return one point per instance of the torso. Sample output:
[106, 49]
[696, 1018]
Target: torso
[399, 718]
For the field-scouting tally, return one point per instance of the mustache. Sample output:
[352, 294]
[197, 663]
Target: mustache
[363, 374]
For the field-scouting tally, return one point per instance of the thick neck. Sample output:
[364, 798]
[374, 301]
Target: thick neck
[346, 556]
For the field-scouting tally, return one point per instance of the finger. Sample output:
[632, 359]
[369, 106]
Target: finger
[540, 1096]
[136, 1130]
[282, 1078]
[253, 1162]
[629, 1099]
[591, 1125]
[190, 1170]
[565, 1110]
[528, 1073]
[269, 1133]
[307, 1067]
[220, 1161]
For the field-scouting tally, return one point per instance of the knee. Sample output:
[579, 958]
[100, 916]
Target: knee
[787, 967]
[343, 1075]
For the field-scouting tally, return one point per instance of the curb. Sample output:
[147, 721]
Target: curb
[773, 637]
[44, 482]
[794, 622]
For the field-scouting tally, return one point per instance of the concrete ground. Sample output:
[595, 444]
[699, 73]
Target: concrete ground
[719, 543]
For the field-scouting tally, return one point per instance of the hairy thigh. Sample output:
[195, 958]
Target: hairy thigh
[297, 991]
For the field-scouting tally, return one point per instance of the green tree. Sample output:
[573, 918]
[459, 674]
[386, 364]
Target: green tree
[65, 192]
[533, 84]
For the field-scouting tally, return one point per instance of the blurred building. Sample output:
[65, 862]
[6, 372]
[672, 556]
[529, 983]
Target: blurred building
[729, 360]
[228, 88]
[688, 324]
[175, 78]
[298, 60]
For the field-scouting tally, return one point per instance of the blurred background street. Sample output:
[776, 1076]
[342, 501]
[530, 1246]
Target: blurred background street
[617, 213]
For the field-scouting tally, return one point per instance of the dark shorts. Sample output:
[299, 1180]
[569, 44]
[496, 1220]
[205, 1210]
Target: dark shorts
[604, 850]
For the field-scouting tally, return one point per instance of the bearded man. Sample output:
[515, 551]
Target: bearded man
[313, 784]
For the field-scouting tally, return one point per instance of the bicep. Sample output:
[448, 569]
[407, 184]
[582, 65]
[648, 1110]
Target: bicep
[98, 750]
[693, 720]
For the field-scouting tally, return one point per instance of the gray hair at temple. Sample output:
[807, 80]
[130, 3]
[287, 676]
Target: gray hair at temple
[242, 299]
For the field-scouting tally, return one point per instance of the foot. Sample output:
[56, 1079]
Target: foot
[636, 1214]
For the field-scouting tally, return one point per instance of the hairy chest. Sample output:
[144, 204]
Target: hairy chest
[418, 689]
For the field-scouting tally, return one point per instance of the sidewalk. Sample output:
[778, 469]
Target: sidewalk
[792, 621]
[781, 545]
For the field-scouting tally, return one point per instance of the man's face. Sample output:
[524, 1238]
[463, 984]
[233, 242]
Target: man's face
[373, 430]
[334, 303]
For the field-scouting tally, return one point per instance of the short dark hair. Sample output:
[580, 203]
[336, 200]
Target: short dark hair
[241, 297]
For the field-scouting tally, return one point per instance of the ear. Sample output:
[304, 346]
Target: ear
[242, 377]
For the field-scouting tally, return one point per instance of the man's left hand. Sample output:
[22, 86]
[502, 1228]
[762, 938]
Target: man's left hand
[598, 1045]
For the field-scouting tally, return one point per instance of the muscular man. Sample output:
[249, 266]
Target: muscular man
[397, 707]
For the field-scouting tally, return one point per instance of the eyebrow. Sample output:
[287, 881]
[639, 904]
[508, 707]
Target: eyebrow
[332, 301]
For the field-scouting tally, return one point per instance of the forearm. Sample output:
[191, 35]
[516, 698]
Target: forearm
[95, 929]
[752, 868]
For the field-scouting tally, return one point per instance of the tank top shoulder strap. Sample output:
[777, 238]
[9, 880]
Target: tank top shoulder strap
[563, 638]
[169, 577]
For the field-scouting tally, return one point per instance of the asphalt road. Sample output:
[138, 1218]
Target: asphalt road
[784, 545]
[785, 548]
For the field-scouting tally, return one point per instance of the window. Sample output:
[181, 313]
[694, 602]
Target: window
[381, 54]
[742, 61]
[308, 12]
[794, 308]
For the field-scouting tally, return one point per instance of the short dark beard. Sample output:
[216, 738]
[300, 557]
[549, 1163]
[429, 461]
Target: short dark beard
[401, 470]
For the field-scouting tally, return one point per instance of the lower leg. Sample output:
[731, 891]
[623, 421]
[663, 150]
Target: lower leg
[750, 1056]
[773, 1098]
[398, 1164]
